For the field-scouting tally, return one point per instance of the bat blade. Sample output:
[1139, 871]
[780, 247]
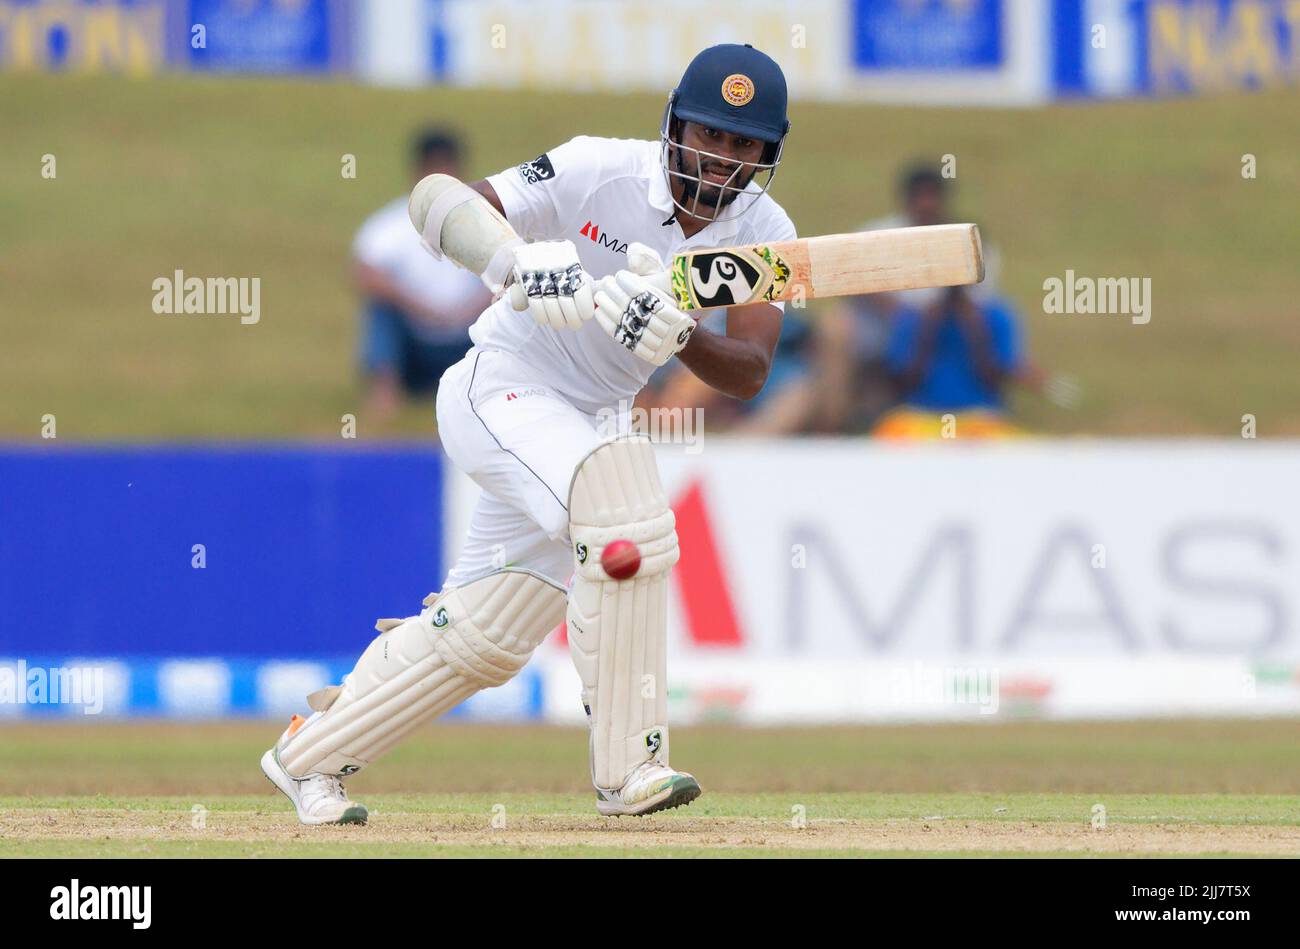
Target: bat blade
[905, 258]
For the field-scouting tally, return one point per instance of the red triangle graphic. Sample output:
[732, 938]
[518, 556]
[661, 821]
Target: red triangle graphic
[711, 618]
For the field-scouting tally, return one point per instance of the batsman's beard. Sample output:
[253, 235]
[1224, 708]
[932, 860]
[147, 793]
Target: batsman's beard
[715, 197]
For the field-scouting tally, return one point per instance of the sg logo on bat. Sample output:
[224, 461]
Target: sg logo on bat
[711, 278]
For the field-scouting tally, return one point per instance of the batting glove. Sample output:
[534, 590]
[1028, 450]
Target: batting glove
[549, 283]
[640, 316]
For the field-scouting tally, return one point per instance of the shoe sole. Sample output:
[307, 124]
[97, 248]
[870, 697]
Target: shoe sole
[355, 814]
[683, 791]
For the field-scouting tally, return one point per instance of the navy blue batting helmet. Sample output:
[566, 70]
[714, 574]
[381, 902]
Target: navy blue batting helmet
[734, 89]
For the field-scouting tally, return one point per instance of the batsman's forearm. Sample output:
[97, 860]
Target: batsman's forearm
[464, 224]
[735, 367]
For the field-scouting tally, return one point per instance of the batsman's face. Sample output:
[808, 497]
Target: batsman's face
[731, 161]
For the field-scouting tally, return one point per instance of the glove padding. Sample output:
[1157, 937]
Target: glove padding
[550, 284]
[638, 314]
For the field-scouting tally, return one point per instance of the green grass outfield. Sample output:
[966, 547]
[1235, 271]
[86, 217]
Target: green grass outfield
[241, 177]
[1208, 788]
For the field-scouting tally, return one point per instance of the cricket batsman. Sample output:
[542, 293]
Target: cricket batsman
[568, 242]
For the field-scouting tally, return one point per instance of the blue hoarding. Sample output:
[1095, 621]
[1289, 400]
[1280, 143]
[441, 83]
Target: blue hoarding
[238, 552]
[1164, 47]
[145, 36]
[927, 34]
[211, 581]
[300, 36]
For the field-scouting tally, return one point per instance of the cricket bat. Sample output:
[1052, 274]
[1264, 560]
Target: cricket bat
[836, 265]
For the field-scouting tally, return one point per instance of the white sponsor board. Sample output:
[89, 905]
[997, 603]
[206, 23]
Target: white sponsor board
[1091, 578]
[621, 46]
[755, 691]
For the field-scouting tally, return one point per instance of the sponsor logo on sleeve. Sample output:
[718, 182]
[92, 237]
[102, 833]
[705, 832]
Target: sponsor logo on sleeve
[539, 169]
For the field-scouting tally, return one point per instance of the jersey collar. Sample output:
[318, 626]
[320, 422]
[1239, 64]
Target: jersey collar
[717, 233]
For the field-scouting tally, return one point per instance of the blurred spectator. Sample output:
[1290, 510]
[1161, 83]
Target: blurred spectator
[954, 356]
[416, 310]
[859, 380]
[849, 365]
[778, 408]
[936, 350]
[784, 405]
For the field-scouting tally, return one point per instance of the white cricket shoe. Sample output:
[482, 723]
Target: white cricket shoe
[650, 787]
[318, 798]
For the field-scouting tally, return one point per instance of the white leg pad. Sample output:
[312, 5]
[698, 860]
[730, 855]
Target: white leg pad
[469, 638]
[618, 628]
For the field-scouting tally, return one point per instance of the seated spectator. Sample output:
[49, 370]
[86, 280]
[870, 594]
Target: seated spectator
[416, 310]
[783, 406]
[846, 386]
[846, 368]
[859, 341]
[779, 408]
[954, 356]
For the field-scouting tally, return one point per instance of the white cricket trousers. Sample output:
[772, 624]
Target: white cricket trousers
[520, 442]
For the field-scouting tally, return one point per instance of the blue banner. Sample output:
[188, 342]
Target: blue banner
[229, 552]
[1212, 45]
[268, 36]
[927, 34]
[1171, 47]
[44, 687]
[145, 36]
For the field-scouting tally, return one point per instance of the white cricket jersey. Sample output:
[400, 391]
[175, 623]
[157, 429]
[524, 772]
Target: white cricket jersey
[602, 194]
[387, 242]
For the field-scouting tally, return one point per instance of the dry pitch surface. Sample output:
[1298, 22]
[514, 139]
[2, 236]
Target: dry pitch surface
[1024, 789]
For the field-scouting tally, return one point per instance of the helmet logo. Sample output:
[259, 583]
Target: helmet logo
[738, 89]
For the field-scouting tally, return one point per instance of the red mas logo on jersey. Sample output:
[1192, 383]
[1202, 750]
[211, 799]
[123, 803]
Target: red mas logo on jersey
[592, 232]
[524, 393]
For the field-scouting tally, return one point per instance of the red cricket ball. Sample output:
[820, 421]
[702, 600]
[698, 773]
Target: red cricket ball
[621, 559]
